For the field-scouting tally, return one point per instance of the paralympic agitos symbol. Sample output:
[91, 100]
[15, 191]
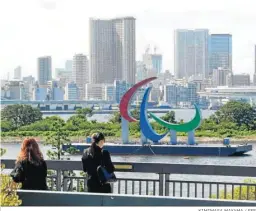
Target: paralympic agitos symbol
[145, 126]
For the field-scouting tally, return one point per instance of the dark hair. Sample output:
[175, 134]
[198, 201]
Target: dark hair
[96, 138]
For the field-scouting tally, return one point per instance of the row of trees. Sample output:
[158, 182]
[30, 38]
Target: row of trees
[233, 119]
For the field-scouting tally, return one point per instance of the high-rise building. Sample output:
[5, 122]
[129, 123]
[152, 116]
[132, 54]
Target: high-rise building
[112, 50]
[94, 91]
[68, 65]
[63, 76]
[58, 72]
[40, 94]
[191, 53]
[44, 70]
[153, 62]
[178, 94]
[141, 71]
[220, 52]
[238, 80]
[220, 77]
[109, 92]
[17, 73]
[71, 91]
[80, 73]
[29, 79]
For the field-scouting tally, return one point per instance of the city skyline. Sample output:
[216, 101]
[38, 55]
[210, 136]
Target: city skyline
[50, 32]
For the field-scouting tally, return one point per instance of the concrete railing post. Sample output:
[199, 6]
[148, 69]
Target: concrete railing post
[65, 183]
[161, 184]
[112, 187]
[166, 184]
[58, 180]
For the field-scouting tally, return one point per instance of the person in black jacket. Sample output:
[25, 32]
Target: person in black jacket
[93, 157]
[30, 168]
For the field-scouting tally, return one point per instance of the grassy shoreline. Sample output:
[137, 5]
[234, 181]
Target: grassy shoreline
[183, 139]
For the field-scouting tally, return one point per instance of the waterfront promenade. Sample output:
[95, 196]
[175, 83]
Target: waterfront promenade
[135, 191]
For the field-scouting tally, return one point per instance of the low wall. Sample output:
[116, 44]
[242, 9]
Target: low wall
[52, 198]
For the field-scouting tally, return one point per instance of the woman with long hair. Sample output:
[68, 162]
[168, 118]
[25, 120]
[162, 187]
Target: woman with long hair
[93, 157]
[30, 168]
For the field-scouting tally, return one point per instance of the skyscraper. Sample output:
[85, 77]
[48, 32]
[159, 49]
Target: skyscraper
[44, 69]
[112, 50]
[153, 62]
[80, 73]
[68, 65]
[220, 51]
[141, 71]
[17, 73]
[191, 53]
[220, 76]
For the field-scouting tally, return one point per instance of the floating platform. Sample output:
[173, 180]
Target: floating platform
[161, 149]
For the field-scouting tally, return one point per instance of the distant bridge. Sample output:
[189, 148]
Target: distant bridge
[229, 92]
[63, 102]
[58, 105]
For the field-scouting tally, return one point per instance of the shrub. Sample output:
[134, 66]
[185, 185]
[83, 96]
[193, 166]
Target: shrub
[250, 189]
[9, 188]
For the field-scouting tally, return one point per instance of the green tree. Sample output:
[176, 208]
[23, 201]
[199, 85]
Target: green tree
[84, 112]
[57, 139]
[75, 123]
[20, 115]
[6, 126]
[116, 117]
[8, 193]
[135, 113]
[240, 113]
[169, 117]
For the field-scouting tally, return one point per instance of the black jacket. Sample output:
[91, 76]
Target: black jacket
[91, 163]
[32, 176]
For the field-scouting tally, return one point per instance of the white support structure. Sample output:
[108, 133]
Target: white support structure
[173, 137]
[125, 130]
[191, 138]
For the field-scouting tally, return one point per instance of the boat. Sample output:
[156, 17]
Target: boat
[165, 149]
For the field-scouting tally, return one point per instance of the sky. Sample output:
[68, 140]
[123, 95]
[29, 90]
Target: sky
[60, 28]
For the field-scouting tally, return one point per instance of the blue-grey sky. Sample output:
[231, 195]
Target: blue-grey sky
[34, 28]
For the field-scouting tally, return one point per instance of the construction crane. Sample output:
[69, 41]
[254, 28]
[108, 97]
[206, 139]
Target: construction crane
[155, 48]
[147, 49]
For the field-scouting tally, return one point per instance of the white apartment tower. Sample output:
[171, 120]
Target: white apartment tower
[80, 73]
[44, 69]
[17, 73]
[220, 77]
[191, 53]
[112, 50]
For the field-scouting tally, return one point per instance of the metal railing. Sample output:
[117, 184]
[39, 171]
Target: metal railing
[161, 185]
[206, 189]
[57, 198]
